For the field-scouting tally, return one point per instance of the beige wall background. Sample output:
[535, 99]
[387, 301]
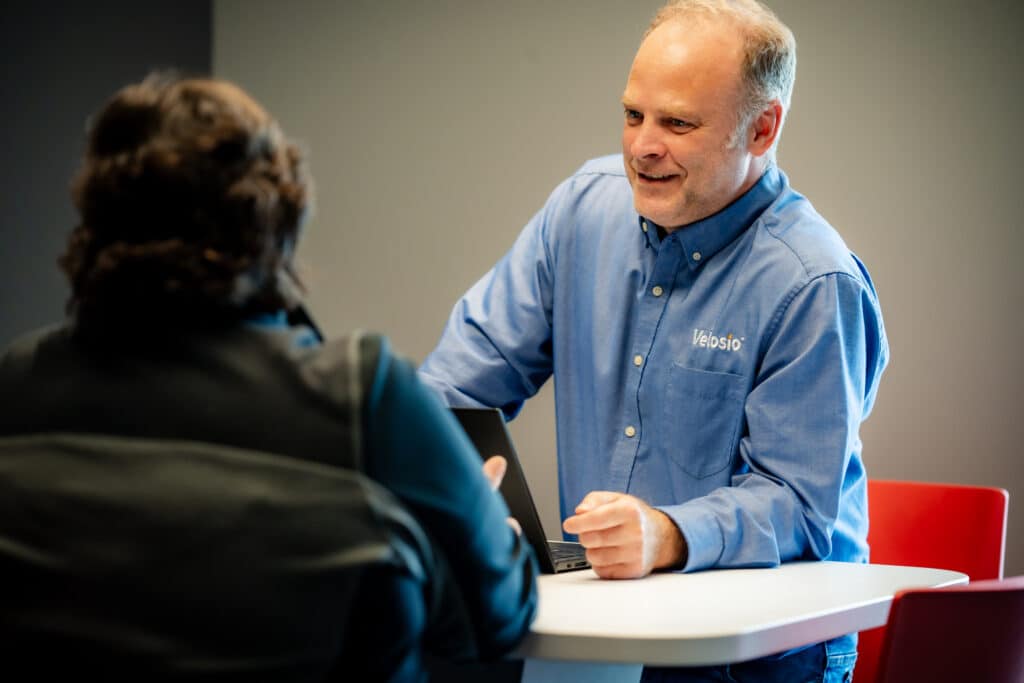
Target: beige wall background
[436, 129]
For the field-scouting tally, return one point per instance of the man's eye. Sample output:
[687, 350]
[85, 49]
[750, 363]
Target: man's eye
[633, 115]
[679, 123]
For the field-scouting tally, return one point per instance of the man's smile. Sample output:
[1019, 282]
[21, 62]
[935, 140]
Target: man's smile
[656, 177]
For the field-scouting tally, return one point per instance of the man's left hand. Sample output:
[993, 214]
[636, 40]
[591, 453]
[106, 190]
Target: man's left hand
[625, 537]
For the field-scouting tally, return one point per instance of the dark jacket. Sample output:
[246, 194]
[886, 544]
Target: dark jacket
[238, 445]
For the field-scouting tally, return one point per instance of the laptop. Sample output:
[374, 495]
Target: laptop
[486, 429]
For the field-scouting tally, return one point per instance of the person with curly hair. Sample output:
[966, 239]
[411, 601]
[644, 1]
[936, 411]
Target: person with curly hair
[191, 202]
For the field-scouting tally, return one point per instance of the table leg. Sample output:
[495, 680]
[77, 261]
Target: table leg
[560, 671]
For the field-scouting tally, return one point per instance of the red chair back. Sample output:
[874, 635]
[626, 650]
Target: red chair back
[947, 526]
[962, 633]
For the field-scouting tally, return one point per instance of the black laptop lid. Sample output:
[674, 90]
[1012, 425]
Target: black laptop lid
[486, 429]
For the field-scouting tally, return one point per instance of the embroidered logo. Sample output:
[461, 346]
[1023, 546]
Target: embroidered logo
[704, 339]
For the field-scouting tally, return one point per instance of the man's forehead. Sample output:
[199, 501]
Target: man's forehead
[678, 57]
[713, 41]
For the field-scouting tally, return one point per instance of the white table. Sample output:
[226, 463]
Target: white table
[597, 630]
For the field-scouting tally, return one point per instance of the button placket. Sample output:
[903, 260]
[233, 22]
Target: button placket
[667, 261]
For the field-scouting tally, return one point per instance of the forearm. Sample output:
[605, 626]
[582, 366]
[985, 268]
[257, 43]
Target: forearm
[421, 454]
[733, 527]
[496, 350]
[672, 550]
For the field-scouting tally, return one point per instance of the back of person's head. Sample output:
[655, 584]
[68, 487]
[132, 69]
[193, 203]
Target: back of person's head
[190, 203]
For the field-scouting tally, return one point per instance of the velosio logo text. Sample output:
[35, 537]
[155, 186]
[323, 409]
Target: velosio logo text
[704, 339]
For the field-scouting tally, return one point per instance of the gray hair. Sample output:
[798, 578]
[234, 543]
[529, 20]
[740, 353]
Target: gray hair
[769, 52]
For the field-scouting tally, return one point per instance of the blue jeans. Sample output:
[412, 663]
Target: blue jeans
[810, 665]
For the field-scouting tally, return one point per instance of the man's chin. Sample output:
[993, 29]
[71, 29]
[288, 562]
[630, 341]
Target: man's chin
[666, 219]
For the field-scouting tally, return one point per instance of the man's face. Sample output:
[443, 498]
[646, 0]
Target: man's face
[681, 105]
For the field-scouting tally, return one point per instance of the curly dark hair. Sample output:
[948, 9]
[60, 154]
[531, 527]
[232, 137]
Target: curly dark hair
[190, 203]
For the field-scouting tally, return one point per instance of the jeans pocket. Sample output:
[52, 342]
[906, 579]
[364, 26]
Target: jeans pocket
[839, 668]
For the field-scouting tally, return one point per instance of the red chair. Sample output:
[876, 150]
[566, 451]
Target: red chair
[956, 634]
[947, 526]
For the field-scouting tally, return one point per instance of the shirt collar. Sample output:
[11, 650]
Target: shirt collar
[303, 336]
[275, 319]
[705, 238]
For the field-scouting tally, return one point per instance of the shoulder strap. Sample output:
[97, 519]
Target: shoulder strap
[363, 352]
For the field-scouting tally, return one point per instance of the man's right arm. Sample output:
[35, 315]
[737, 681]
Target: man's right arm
[496, 349]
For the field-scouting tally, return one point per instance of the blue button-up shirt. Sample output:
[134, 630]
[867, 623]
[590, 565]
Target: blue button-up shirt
[720, 373]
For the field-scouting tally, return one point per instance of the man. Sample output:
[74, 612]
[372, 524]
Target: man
[715, 345]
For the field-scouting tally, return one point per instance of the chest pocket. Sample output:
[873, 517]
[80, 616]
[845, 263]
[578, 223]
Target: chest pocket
[703, 414]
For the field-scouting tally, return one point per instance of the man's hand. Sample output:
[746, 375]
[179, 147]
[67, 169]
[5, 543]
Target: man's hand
[494, 469]
[625, 537]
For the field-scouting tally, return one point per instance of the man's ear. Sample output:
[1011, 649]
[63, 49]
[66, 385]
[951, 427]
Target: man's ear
[765, 129]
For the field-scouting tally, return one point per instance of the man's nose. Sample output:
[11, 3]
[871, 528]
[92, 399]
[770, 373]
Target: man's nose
[647, 141]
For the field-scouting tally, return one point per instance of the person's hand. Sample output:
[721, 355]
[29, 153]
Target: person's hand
[494, 469]
[625, 537]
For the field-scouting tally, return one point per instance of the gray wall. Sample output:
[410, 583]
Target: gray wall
[438, 128]
[61, 61]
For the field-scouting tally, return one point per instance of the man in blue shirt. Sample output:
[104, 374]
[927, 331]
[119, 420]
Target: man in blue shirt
[714, 343]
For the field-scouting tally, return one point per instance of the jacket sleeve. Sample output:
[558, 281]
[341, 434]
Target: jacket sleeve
[417, 450]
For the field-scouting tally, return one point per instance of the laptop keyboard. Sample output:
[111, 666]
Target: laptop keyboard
[561, 550]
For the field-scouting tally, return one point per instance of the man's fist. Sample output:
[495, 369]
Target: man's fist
[625, 537]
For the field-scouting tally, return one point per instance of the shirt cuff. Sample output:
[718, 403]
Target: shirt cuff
[700, 530]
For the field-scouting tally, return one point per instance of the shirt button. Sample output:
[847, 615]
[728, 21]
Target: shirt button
[696, 256]
[643, 225]
[638, 360]
[630, 431]
[657, 290]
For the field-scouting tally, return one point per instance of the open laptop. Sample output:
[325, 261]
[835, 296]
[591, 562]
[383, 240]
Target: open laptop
[486, 429]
